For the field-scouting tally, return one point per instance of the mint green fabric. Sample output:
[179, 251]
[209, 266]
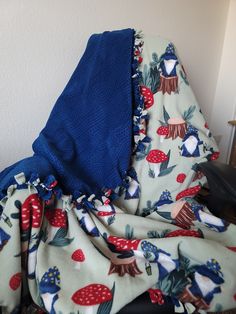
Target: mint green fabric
[92, 256]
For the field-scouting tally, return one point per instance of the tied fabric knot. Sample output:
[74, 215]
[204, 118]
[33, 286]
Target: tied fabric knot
[67, 203]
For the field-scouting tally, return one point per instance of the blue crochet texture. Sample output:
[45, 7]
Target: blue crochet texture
[87, 141]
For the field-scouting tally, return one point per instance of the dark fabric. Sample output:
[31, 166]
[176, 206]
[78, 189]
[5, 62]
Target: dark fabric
[143, 305]
[87, 141]
[221, 179]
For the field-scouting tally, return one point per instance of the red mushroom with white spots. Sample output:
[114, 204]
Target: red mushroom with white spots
[156, 157]
[31, 212]
[78, 257]
[156, 296]
[162, 131]
[31, 217]
[189, 192]
[123, 244]
[147, 96]
[181, 177]
[57, 219]
[92, 295]
[214, 155]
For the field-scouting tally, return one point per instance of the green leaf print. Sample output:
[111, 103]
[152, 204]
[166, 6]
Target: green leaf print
[184, 77]
[18, 204]
[155, 58]
[15, 215]
[110, 220]
[166, 115]
[166, 171]
[153, 234]
[174, 283]
[151, 173]
[129, 232]
[61, 233]
[61, 242]
[164, 165]
[162, 123]
[105, 308]
[188, 114]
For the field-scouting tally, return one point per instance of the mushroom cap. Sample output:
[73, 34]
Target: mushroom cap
[37, 211]
[31, 212]
[57, 217]
[147, 95]
[78, 256]
[123, 244]
[163, 130]
[15, 281]
[156, 156]
[92, 295]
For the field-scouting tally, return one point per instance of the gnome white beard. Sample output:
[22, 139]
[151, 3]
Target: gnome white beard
[205, 284]
[191, 144]
[169, 65]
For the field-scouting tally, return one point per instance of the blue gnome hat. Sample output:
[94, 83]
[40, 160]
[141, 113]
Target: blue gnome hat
[169, 55]
[4, 237]
[50, 282]
[164, 199]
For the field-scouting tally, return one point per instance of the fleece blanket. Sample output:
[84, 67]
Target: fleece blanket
[104, 210]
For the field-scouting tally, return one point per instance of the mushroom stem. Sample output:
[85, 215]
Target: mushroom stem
[48, 300]
[156, 169]
[162, 138]
[89, 309]
[77, 265]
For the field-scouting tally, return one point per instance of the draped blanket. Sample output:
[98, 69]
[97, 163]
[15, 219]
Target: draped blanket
[105, 210]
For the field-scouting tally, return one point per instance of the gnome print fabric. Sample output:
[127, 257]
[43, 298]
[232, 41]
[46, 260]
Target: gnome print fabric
[105, 208]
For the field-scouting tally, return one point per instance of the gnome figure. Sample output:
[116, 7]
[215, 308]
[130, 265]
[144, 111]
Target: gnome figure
[164, 199]
[168, 75]
[211, 221]
[191, 142]
[205, 283]
[49, 287]
[163, 259]
[133, 189]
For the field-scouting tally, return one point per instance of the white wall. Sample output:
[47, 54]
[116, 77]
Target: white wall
[41, 42]
[224, 108]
